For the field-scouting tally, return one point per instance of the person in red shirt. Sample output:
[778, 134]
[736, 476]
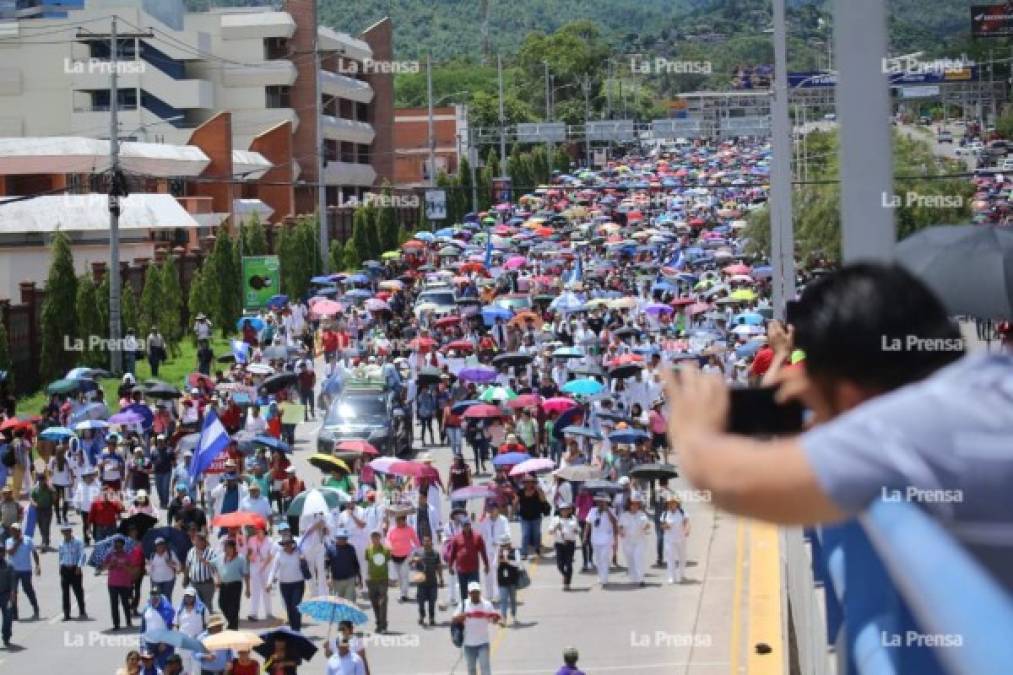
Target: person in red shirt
[329, 340]
[104, 514]
[761, 363]
[307, 380]
[512, 445]
[466, 549]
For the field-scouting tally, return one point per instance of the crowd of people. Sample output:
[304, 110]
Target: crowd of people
[544, 379]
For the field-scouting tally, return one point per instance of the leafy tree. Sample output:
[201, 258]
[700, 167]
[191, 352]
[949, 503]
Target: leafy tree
[350, 260]
[102, 303]
[361, 224]
[387, 226]
[372, 232]
[170, 317]
[6, 364]
[59, 315]
[128, 308]
[561, 160]
[226, 282]
[151, 301]
[89, 322]
[254, 237]
[1004, 125]
[464, 178]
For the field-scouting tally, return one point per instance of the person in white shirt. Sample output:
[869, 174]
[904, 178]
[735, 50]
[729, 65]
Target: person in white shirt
[191, 617]
[260, 553]
[353, 520]
[344, 661]
[476, 614]
[566, 530]
[162, 568]
[256, 502]
[600, 529]
[675, 525]
[256, 423]
[88, 490]
[286, 570]
[634, 528]
[492, 527]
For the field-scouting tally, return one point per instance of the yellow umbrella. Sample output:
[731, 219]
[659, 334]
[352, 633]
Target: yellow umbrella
[239, 640]
[391, 255]
[743, 294]
[328, 463]
[623, 303]
[391, 285]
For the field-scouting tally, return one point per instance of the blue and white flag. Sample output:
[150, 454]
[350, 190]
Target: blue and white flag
[241, 351]
[213, 440]
[488, 250]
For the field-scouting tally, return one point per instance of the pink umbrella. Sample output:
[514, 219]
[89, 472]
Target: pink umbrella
[415, 470]
[558, 404]
[736, 269]
[515, 263]
[534, 465]
[697, 308]
[325, 308]
[377, 305]
[525, 401]
[473, 492]
[385, 464]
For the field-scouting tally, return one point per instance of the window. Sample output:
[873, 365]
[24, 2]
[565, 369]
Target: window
[362, 156]
[278, 96]
[275, 48]
[362, 112]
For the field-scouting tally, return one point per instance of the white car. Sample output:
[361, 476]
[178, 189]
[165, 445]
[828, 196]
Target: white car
[440, 301]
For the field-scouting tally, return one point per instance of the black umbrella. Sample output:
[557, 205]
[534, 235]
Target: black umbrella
[429, 375]
[601, 486]
[142, 521]
[588, 371]
[175, 538]
[627, 332]
[277, 382]
[162, 391]
[614, 416]
[970, 267]
[279, 352]
[512, 359]
[226, 358]
[653, 471]
[624, 371]
[297, 645]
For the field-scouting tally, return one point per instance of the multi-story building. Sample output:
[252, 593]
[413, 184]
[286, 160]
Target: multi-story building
[176, 70]
[411, 143]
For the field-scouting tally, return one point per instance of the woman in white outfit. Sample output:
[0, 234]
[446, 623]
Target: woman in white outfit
[600, 529]
[675, 525]
[634, 529]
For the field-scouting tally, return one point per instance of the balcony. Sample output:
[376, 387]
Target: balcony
[269, 73]
[93, 75]
[340, 129]
[349, 174]
[257, 25]
[342, 86]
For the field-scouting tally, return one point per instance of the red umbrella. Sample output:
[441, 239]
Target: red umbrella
[200, 380]
[683, 302]
[414, 243]
[14, 423]
[421, 343]
[452, 320]
[415, 470]
[625, 358]
[356, 445]
[558, 404]
[240, 519]
[472, 267]
[698, 308]
[325, 308]
[482, 411]
[525, 401]
[460, 345]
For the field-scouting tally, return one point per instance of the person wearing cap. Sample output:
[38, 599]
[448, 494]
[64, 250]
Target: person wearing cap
[85, 494]
[600, 529]
[120, 581]
[156, 615]
[426, 565]
[287, 571]
[466, 550]
[634, 528]
[71, 557]
[675, 526]
[531, 505]
[21, 552]
[163, 458]
[476, 613]
[8, 587]
[566, 530]
[105, 513]
[256, 502]
[570, 656]
[378, 558]
[162, 568]
[44, 498]
[342, 562]
[198, 568]
[10, 511]
[191, 620]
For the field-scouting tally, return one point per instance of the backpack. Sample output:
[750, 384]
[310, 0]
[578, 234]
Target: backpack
[7, 457]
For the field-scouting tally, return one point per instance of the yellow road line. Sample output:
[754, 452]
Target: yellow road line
[765, 620]
[501, 632]
[736, 633]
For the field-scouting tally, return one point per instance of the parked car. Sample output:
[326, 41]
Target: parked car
[368, 411]
[944, 137]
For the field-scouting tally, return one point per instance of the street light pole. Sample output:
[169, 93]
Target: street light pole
[431, 139]
[548, 113]
[502, 117]
[782, 240]
[587, 119]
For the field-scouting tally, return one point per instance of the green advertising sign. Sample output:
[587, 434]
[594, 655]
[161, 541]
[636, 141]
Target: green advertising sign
[261, 280]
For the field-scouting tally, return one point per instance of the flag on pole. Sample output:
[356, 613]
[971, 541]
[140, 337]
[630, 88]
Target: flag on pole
[213, 440]
[241, 351]
[488, 250]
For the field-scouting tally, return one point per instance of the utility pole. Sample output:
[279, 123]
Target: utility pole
[117, 187]
[782, 239]
[502, 117]
[587, 119]
[548, 114]
[431, 138]
[472, 165]
[325, 233]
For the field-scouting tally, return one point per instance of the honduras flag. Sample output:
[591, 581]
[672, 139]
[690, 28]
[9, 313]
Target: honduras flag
[213, 440]
[241, 351]
[488, 250]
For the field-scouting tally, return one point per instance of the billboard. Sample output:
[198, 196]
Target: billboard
[928, 73]
[261, 280]
[678, 128]
[919, 92]
[501, 189]
[436, 204]
[992, 20]
[612, 130]
[541, 132]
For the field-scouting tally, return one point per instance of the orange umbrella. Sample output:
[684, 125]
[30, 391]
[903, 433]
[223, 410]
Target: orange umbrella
[522, 318]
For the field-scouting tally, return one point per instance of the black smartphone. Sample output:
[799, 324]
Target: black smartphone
[792, 311]
[754, 412]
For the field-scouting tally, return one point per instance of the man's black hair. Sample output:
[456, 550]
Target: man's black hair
[851, 322]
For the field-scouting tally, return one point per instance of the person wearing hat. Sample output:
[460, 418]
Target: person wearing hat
[230, 493]
[600, 529]
[342, 562]
[634, 528]
[20, 553]
[287, 571]
[492, 527]
[120, 581]
[508, 572]
[531, 504]
[10, 511]
[162, 568]
[218, 660]
[191, 620]
[675, 526]
[198, 568]
[71, 557]
[566, 530]
[427, 569]
[163, 458]
[8, 587]
[466, 550]
[475, 614]
[85, 494]
[157, 615]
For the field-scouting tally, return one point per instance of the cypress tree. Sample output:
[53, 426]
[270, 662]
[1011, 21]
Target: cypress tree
[59, 313]
[89, 322]
[151, 301]
[170, 318]
[361, 223]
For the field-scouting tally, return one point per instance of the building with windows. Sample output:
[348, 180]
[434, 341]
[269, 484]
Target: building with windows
[411, 143]
[177, 70]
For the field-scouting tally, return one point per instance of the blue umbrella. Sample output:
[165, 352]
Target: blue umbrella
[358, 293]
[586, 432]
[332, 610]
[322, 281]
[255, 322]
[445, 232]
[277, 301]
[104, 548]
[492, 312]
[424, 236]
[628, 436]
[568, 353]
[748, 349]
[357, 279]
[176, 639]
[56, 433]
[510, 458]
[91, 424]
[479, 375]
[273, 443]
[748, 319]
[584, 387]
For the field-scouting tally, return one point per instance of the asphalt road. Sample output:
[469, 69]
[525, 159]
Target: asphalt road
[658, 629]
